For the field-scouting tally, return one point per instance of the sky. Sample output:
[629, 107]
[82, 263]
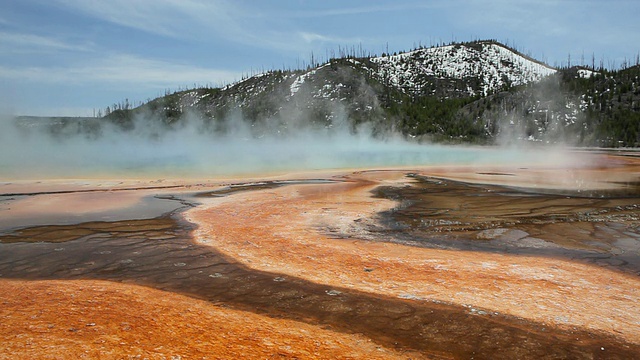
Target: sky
[74, 57]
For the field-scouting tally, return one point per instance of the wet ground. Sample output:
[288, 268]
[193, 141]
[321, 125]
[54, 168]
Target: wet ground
[262, 185]
[160, 253]
[66, 203]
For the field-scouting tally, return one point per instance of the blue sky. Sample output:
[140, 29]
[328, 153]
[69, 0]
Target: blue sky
[69, 57]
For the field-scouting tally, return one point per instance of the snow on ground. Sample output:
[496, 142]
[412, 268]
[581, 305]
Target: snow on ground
[585, 73]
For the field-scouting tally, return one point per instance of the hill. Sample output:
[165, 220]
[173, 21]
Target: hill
[482, 91]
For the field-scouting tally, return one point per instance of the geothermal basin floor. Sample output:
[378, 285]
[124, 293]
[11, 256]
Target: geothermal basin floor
[357, 264]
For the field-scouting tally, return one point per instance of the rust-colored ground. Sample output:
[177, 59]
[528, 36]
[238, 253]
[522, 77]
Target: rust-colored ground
[107, 320]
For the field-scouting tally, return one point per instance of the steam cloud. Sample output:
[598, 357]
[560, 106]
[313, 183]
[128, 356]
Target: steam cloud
[192, 150]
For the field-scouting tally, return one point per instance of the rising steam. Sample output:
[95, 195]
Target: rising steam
[193, 149]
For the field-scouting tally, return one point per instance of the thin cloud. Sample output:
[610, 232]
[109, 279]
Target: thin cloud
[123, 70]
[21, 43]
[309, 37]
[150, 16]
[203, 21]
[393, 7]
[192, 19]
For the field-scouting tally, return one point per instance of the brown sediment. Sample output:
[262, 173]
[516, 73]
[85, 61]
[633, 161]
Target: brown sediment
[595, 226]
[153, 229]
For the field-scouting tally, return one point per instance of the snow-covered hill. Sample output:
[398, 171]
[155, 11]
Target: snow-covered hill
[486, 66]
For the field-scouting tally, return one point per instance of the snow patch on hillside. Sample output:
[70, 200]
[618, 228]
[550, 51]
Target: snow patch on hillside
[299, 81]
[585, 73]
